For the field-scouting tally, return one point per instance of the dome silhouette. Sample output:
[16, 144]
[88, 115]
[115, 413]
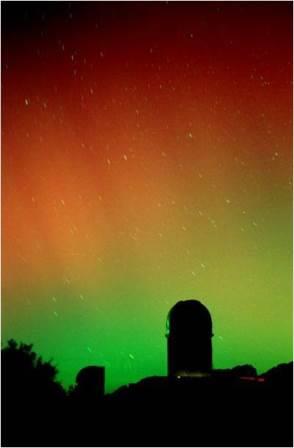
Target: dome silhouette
[90, 380]
[189, 333]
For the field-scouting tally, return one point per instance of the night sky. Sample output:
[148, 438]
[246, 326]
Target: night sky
[146, 158]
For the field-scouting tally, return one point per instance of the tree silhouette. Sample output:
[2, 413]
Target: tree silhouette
[22, 356]
[31, 395]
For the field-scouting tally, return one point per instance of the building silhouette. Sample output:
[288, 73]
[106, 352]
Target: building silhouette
[90, 382]
[189, 333]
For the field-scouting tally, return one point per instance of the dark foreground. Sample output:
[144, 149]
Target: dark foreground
[218, 410]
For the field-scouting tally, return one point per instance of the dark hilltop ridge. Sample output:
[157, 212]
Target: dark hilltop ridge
[194, 405]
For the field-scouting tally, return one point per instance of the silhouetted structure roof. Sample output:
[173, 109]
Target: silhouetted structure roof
[90, 381]
[189, 316]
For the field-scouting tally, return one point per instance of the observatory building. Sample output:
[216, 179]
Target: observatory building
[189, 333]
[90, 382]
